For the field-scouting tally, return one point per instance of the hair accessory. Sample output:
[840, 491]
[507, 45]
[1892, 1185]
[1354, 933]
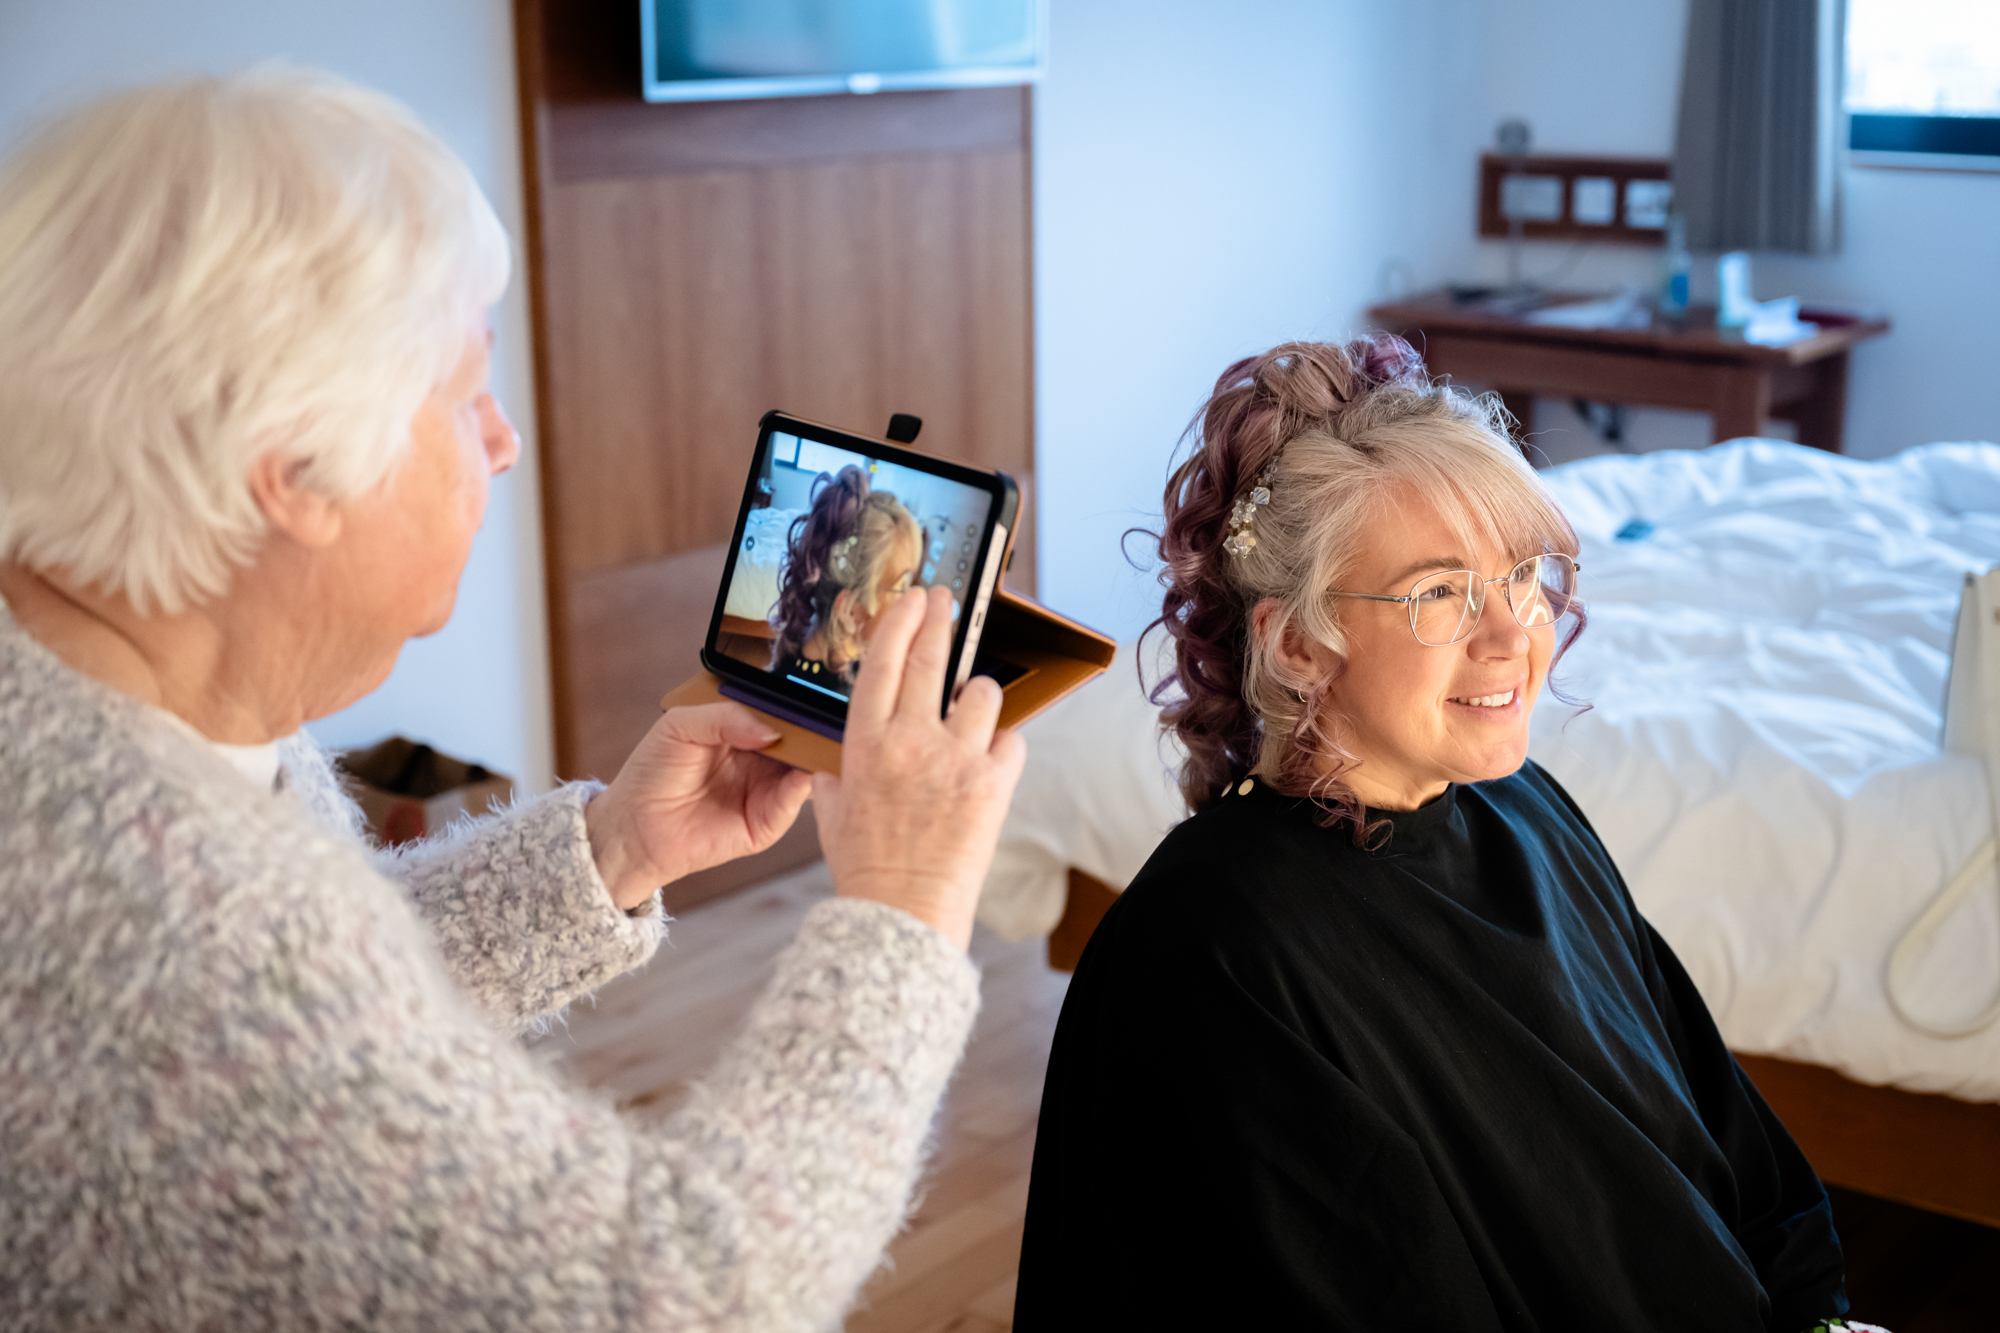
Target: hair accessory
[841, 558]
[1241, 540]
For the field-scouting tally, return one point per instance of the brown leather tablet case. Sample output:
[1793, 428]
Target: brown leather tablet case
[1059, 655]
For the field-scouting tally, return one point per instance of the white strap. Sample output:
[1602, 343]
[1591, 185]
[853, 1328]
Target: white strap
[1903, 958]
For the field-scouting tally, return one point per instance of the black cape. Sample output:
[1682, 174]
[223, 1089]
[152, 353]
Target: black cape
[1457, 1082]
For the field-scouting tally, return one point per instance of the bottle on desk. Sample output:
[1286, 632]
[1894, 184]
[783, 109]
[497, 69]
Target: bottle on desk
[1675, 266]
[1735, 306]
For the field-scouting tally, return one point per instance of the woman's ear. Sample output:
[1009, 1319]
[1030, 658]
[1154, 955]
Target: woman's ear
[307, 517]
[1282, 640]
[842, 612]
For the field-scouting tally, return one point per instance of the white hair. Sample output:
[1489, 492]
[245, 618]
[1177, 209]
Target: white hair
[204, 271]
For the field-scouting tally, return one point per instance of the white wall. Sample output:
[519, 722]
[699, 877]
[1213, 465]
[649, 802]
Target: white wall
[1210, 179]
[479, 689]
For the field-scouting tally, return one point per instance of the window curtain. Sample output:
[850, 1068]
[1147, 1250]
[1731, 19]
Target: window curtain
[1761, 139]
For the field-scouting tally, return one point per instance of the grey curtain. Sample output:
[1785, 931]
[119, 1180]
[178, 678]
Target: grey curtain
[1762, 134]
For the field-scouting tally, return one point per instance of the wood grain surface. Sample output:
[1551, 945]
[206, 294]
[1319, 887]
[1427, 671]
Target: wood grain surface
[1688, 364]
[1935, 1153]
[681, 308]
[605, 139]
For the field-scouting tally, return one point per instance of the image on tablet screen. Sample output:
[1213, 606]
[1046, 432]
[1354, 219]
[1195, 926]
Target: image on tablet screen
[832, 535]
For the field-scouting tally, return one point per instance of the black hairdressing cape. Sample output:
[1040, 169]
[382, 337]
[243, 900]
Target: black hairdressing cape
[1456, 1082]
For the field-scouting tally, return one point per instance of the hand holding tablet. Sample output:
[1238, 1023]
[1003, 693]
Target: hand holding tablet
[694, 793]
[863, 585]
[833, 526]
[912, 818]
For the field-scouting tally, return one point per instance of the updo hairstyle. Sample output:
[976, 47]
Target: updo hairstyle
[1348, 427]
[842, 543]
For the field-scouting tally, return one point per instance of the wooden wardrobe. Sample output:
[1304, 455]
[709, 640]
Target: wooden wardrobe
[692, 265]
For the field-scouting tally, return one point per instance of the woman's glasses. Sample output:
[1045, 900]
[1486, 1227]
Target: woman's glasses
[1445, 607]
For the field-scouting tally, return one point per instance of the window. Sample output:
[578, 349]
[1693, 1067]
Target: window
[1923, 76]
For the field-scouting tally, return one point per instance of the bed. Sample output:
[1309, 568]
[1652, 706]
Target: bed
[1766, 663]
[754, 589]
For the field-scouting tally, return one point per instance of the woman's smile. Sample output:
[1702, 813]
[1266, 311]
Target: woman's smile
[1495, 703]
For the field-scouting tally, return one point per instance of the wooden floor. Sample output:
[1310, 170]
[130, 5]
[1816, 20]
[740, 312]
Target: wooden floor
[953, 1269]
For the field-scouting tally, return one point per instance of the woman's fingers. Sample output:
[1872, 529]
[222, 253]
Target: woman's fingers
[724, 723]
[1009, 753]
[923, 672]
[975, 712]
[776, 792]
[879, 681]
[913, 818]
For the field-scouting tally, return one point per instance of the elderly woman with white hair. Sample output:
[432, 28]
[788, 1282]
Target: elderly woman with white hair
[252, 1073]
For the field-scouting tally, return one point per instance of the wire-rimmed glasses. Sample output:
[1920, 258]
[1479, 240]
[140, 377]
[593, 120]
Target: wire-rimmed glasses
[1445, 606]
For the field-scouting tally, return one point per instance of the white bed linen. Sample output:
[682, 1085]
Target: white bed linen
[753, 592]
[1766, 670]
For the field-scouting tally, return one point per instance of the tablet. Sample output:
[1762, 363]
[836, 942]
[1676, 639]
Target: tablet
[833, 525]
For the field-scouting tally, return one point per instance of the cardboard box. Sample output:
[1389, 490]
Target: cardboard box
[408, 790]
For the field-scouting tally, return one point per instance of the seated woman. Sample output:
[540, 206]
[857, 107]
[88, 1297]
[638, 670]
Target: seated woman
[255, 1074]
[850, 556]
[1377, 1039]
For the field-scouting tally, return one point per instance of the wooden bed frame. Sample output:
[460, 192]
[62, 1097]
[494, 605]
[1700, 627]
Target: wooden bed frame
[1932, 1152]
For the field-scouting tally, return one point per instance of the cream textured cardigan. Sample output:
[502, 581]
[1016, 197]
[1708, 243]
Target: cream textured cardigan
[254, 1075]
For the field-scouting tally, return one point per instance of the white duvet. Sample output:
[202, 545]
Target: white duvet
[1766, 668]
[753, 591]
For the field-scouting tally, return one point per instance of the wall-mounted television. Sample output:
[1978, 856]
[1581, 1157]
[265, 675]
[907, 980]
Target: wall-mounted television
[706, 50]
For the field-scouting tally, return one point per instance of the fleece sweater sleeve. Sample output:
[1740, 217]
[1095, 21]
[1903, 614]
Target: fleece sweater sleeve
[327, 1136]
[790, 1167]
[517, 910]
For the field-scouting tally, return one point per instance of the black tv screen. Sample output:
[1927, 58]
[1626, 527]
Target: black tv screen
[702, 50]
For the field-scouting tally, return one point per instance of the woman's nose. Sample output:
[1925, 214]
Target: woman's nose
[503, 443]
[1499, 632]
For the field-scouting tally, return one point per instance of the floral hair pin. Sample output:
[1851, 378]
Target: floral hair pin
[1241, 539]
[841, 558]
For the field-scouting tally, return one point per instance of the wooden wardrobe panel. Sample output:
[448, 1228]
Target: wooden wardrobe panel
[890, 299]
[598, 139]
[661, 608]
[653, 365]
[683, 307]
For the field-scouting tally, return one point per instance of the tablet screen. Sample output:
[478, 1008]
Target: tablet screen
[831, 532]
